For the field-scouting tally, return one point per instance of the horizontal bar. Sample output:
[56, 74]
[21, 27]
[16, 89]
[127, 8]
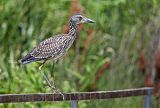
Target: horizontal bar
[12, 98]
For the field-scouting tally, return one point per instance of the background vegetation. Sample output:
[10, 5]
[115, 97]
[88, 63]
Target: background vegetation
[104, 56]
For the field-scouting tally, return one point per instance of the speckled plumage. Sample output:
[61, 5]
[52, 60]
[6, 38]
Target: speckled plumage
[51, 48]
[55, 46]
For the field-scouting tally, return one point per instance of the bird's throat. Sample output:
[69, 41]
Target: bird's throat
[73, 29]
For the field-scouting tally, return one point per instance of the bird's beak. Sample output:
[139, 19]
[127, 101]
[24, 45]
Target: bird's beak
[87, 20]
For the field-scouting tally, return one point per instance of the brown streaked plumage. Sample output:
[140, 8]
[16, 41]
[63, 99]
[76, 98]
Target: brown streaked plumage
[56, 46]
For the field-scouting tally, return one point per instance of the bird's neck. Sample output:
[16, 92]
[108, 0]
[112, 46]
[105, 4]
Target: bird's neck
[73, 29]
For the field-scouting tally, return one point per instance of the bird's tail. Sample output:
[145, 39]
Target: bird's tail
[29, 58]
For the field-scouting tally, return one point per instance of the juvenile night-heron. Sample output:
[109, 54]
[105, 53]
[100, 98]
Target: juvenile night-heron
[55, 47]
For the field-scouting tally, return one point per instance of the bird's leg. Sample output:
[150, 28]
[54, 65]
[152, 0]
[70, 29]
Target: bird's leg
[52, 74]
[47, 80]
[44, 75]
[40, 67]
[52, 71]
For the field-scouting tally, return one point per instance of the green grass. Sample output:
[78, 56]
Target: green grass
[123, 28]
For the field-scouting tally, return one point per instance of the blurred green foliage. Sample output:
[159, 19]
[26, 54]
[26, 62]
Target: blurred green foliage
[123, 28]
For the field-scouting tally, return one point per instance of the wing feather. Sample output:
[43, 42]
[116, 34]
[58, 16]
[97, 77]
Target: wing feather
[50, 47]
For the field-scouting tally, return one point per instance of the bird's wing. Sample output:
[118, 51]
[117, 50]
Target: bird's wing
[49, 48]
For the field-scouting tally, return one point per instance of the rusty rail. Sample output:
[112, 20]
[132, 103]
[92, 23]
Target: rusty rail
[12, 98]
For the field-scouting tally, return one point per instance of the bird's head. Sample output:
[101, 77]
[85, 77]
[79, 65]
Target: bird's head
[78, 19]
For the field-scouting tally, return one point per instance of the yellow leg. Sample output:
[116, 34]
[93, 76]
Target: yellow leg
[48, 82]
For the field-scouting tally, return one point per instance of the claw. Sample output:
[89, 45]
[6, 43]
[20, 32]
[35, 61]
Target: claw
[59, 92]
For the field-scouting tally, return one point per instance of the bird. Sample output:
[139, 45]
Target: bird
[55, 47]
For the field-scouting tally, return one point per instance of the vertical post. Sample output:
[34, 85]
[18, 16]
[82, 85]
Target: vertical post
[74, 104]
[148, 99]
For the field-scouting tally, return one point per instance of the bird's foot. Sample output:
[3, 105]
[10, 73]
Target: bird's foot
[57, 91]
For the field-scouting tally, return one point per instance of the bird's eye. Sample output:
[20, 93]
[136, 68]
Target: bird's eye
[80, 18]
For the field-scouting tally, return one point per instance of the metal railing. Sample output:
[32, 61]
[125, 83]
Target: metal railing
[77, 96]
